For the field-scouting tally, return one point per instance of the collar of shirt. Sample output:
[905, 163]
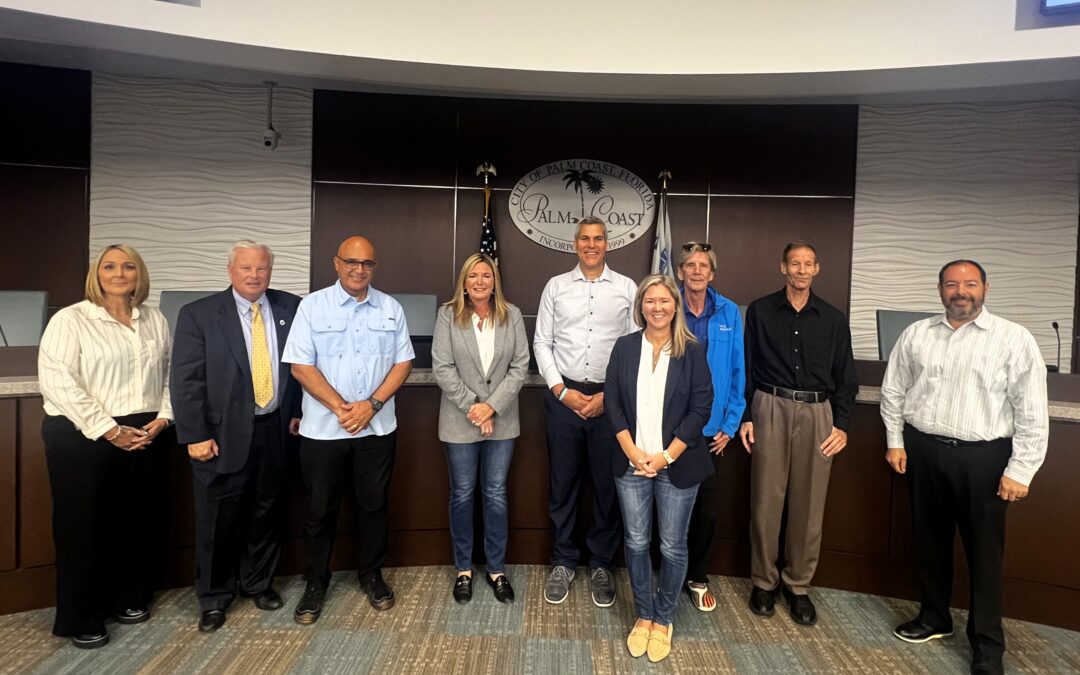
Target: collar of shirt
[243, 305]
[780, 300]
[342, 297]
[99, 313]
[985, 320]
[578, 275]
[710, 306]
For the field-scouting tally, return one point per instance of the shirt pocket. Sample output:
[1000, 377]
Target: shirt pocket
[382, 334]
[329, 336]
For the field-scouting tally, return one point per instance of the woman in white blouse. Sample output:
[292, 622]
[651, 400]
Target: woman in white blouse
[103, 367]
[480, 355]
[658, 394]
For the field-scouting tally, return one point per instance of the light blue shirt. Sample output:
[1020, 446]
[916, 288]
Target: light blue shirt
[354, 345]
[244, 308]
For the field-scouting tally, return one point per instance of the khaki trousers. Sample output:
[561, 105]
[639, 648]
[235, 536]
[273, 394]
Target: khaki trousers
[787, 463]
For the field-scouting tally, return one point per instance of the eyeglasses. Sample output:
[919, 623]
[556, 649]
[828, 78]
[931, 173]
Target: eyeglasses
[352, 263]
[695, 246]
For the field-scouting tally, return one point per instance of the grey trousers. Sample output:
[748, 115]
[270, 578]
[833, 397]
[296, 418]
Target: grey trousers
[787, 463]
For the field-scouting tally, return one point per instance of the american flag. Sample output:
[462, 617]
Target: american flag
[489, 245]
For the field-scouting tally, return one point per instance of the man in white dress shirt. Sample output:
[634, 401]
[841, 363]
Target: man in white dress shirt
[965, 412]
[581, 315]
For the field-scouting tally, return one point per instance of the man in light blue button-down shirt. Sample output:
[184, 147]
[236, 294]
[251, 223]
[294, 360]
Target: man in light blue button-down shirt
[350, 350]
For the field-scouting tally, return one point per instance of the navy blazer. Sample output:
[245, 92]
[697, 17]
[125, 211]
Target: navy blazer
[688, 397]
[210, 378]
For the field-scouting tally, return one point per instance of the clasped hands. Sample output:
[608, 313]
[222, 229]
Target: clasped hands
[647, 465]
[354, 417]
[135, 438]
[583, 405]
[482, 415]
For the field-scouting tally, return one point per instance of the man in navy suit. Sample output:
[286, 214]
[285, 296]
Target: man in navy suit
[236, 406]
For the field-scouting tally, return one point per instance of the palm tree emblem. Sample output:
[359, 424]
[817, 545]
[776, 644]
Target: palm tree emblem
[584, 180]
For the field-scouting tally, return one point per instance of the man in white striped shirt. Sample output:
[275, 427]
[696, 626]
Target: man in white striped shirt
[965, 410]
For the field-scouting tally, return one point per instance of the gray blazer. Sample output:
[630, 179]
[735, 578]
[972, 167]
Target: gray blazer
[455, 359]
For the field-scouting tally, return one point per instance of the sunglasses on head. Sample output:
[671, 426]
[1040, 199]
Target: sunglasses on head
[695, 246]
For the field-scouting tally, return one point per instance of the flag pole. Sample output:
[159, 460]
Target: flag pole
[489, 245]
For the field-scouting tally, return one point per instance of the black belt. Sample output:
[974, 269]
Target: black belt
[953, 442]
[587, 388]
[794, 394]
[266, 418]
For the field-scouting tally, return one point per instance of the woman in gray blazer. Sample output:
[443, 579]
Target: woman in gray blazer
[480, 355]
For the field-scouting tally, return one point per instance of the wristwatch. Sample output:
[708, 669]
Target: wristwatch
[667, 457]
[376, 404]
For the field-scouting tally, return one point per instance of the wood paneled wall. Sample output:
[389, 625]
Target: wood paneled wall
[402, 171]
[44, 174]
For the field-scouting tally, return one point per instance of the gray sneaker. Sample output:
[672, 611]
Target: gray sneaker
[557, 587]
[602, 585]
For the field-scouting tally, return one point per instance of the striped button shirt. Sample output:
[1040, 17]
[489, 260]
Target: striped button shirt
[92, 368]
[982, 381]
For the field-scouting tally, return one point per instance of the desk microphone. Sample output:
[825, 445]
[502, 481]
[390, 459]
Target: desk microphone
[1057, 332]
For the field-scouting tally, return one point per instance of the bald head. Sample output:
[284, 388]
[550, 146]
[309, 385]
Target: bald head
[358, 248]
[355, 266]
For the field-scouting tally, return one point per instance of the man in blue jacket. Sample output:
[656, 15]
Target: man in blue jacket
[715, 322]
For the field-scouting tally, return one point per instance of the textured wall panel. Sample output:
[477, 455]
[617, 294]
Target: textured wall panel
[178, 170]
[996, 183]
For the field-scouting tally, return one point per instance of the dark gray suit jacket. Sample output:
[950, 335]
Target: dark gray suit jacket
[210, 377]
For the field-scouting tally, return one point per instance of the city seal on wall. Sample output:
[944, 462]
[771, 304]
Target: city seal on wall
[548, 201]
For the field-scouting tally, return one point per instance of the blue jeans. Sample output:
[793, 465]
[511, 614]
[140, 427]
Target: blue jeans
[490, 462]
[655, 601]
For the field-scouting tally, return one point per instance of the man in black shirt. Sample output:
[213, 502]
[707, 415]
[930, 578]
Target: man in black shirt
[801, 388]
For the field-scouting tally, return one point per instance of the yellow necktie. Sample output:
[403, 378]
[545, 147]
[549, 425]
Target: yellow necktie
[261, 378]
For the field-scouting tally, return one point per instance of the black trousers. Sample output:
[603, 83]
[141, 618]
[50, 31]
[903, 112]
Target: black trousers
[956, 488]
[328, 467]
[577, 446]
[703, 521]
[107, 527]
[238, 520]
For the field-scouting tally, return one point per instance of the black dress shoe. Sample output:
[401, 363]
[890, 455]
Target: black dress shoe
[917, 632]
[90, 640]
[800, 608]
[762, 601]
[463, 589]
[504, 592]
[310, 606]
[133, 615]
[379, 593]
[211, 620]
[268, 600]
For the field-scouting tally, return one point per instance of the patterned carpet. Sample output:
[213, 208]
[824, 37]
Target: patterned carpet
[426, 632]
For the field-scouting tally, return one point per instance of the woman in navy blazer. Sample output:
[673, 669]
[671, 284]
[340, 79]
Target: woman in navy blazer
[658, 395]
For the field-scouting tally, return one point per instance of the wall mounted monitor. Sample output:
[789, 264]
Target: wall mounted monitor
[1055, 7]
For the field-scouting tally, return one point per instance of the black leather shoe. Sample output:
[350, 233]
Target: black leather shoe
[132, 616]
[762, 601]
[310, 606]
[800, 607]
[917, 632]
[211, 620]
[90, 640]
[504, 592]
[378, 591]
[268, 600]
[463, 589]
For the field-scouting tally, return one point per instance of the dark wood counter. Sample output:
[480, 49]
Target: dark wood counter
[865, 548]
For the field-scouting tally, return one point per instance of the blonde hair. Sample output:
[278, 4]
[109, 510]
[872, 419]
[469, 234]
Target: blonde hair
[680, 333]
[93, 290]
[460, 302]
